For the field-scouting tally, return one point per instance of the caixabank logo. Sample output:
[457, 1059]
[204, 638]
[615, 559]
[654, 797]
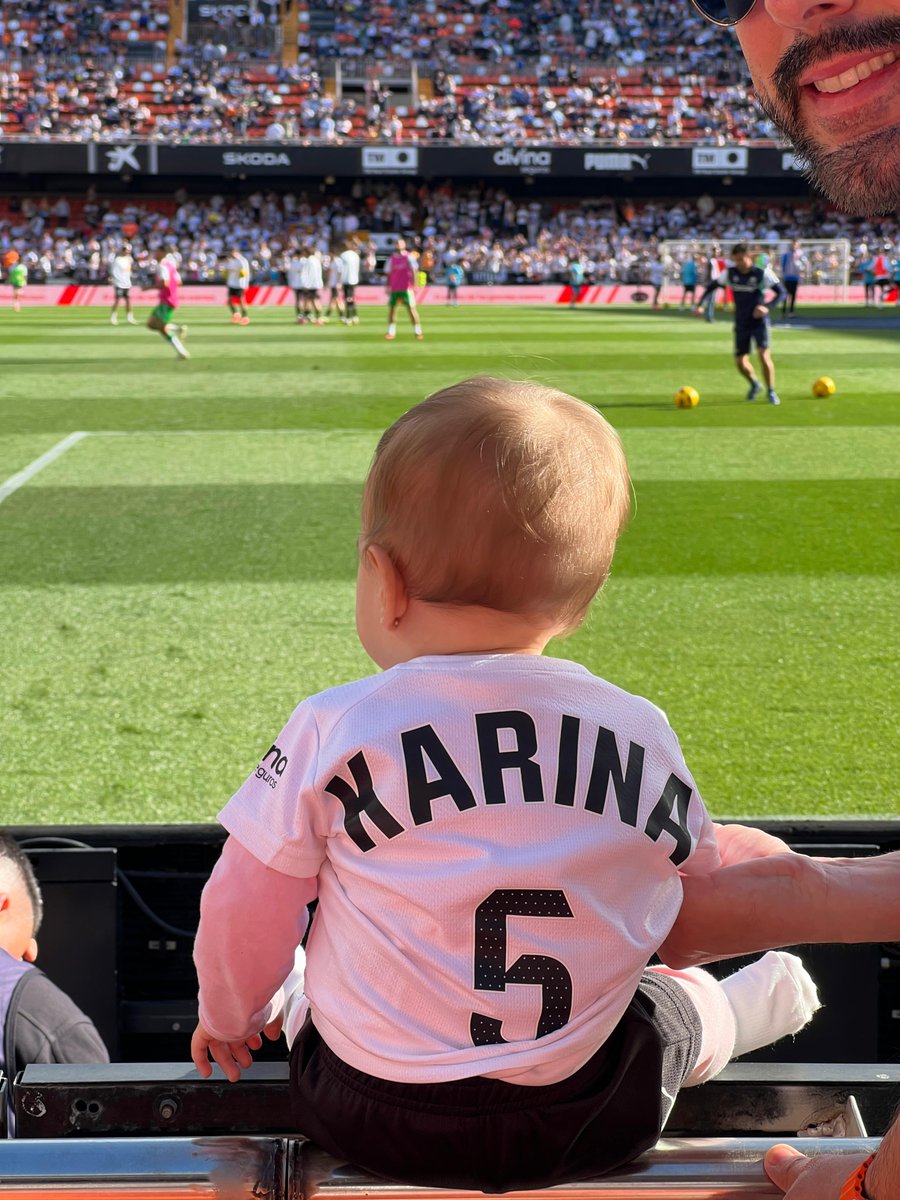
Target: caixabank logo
[390, 160]
[720, 160]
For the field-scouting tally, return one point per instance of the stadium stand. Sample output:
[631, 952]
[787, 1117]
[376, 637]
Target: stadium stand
[47, 96]
[484, 74]
[499, 238]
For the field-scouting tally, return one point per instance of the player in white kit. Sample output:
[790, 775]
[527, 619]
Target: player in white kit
[335, 279]
[294, 273]
[121, 266]
[350, 265]
[499, 840]
[312, 283]
[237, 279]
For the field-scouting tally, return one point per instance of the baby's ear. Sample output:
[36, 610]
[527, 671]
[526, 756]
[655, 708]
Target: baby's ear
[391, 585]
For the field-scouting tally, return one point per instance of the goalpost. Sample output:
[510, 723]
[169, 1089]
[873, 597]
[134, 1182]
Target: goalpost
[825, 263]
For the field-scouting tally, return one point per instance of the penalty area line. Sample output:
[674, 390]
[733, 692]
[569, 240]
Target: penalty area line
[22, 477]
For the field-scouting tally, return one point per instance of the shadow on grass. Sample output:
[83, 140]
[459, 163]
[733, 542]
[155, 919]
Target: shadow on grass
[293, 532]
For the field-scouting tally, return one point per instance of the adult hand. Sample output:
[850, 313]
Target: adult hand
[738, 843]
[760, 311]
[231, 1056]
[802, 1178]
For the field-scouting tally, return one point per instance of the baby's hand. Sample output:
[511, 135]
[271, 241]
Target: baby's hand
[273, 1029]
[231, 1056]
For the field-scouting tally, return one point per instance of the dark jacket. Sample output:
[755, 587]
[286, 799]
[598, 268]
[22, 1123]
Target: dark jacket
[40, 1023]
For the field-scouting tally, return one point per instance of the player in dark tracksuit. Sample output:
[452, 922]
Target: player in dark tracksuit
[748, 284]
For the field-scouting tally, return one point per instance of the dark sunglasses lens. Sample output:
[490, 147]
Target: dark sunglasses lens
[724, 12]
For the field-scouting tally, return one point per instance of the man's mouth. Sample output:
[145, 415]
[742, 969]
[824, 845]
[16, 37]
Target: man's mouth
[850, 77]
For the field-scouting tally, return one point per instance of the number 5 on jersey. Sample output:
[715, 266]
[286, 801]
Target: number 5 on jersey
[492, 973]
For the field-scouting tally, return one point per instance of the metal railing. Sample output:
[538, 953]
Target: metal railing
[238, 1168]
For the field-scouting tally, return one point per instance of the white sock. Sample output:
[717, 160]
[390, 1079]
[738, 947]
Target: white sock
[770, 998]
[392, 327]
[417, 329]
[173, 338]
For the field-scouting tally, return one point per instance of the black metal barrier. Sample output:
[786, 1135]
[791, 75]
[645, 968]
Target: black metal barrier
[131, 1099]
[137, 981]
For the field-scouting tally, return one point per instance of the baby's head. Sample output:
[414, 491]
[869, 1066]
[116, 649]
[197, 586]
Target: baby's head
[503, 495]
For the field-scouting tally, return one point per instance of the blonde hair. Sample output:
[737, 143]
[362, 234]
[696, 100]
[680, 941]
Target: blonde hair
[501, 494]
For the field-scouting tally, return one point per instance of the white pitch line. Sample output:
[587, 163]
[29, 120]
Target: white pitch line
[22, 477]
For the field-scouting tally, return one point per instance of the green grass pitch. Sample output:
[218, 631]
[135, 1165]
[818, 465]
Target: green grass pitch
[178, 579]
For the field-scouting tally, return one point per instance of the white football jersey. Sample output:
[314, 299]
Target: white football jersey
[120, 270]
[497, 841]
[237, 272]
[295, 271]
[350, 259]
[312, 271]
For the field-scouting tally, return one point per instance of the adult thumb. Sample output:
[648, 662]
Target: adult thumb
[784, 1165]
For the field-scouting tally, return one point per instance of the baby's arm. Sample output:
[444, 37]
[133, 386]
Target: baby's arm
[784, 900]
[252, 919]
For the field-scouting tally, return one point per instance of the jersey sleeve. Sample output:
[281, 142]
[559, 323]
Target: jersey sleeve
[721, 278]
[275, 814]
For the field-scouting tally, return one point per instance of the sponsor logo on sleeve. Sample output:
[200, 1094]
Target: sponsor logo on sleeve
[720, 160]
[390, 160]
[272, 766]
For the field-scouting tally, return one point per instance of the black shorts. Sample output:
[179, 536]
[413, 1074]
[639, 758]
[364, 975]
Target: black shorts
[236, 293]
[493, 1136]
[121, 293]
[349, 292]
[755, 331]
[311, 293]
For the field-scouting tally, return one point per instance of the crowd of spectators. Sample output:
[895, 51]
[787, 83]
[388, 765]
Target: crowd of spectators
[81, 28]
[202, 98]
[496, 236]
[579, 73]
[512, 33]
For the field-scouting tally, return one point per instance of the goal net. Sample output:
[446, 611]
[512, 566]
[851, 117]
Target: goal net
[824, 263]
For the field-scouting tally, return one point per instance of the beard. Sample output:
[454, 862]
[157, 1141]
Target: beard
[863, 176]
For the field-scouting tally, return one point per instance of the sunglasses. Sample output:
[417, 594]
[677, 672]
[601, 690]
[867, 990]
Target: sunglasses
[724, 12]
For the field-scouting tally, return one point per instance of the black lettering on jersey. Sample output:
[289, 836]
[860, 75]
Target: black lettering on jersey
[676, 796]
[607, 765]
[417, 745]
[363, 800]
[567, 759]
[279, 760]
[495, 761]
[492, 974]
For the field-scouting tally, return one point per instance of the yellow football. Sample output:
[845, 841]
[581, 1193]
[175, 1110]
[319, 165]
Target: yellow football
[824, 387]
[687, 397]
